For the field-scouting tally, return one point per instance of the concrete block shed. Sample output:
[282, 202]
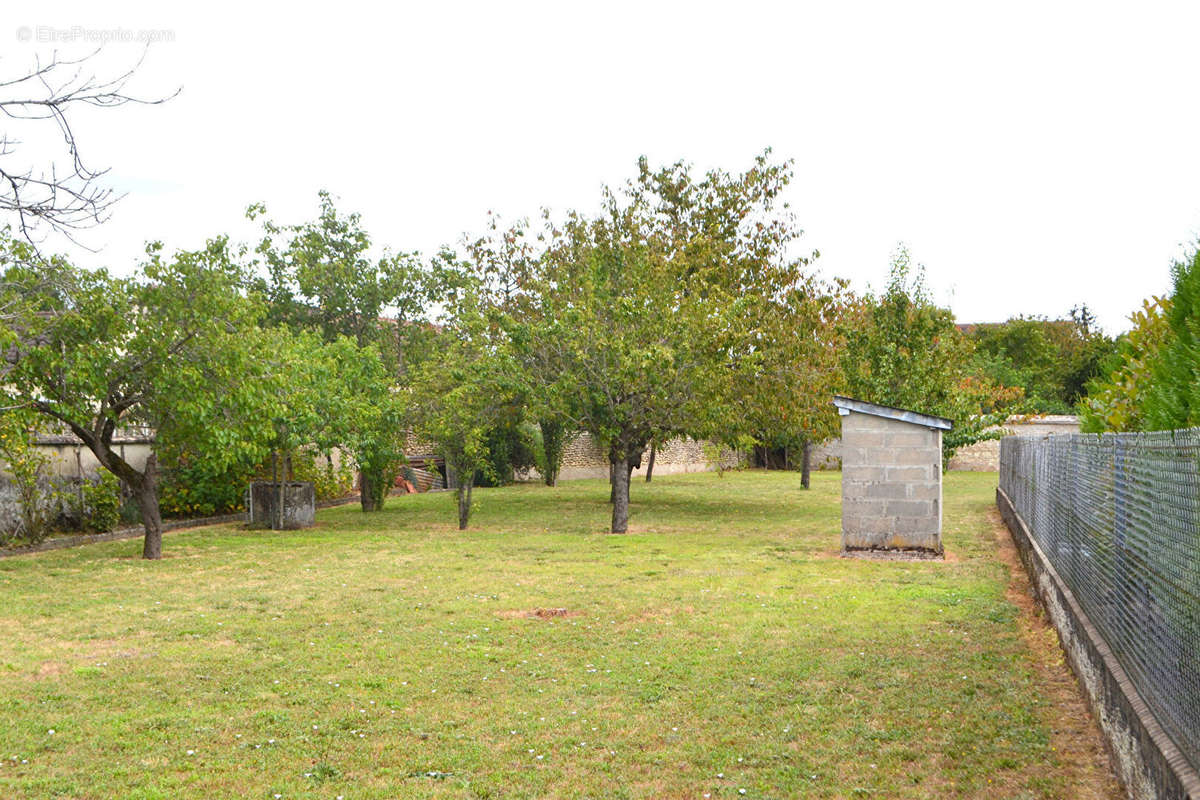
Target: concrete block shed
[891, 477]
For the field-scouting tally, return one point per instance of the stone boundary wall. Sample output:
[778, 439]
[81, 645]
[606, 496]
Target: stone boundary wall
[985, 456]
[584, 458]
[979, 457]
[1148, 763]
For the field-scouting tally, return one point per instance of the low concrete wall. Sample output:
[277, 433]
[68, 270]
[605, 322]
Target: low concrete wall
[69, 457]
[137, 532]
[1148, 763]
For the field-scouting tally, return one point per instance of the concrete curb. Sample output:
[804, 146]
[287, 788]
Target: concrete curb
[1149, 764]
[62, 542]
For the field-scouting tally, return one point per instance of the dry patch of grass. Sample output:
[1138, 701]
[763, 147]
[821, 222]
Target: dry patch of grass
[1074, 732]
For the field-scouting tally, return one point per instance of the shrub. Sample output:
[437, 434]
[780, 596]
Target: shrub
[36, 499]
[102, 503]
[329, 482]
[511, 446]
[195, 487]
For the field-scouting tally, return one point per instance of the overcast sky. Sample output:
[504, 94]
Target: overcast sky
[1032, 155]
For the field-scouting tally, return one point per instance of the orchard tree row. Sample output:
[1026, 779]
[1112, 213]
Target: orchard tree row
[681, 305]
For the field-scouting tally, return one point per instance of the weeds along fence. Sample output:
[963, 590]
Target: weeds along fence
[1118, 516]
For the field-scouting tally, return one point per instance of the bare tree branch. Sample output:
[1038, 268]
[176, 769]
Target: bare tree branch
[64, 197]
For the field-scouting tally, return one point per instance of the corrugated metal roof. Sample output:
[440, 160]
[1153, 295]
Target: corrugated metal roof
[848, 404]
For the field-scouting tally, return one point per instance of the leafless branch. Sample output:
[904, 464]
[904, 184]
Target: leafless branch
[64, 197]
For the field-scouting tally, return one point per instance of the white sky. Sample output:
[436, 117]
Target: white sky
[1032, 155]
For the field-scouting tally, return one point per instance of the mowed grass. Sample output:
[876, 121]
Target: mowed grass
[720, 647]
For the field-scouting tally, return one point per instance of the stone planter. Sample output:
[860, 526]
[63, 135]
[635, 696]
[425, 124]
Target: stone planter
[299, 505]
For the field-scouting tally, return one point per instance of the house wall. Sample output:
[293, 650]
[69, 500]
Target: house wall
[891, 484]
[75, 460]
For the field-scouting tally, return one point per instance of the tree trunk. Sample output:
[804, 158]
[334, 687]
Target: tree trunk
[366, 492]
[612, 481]
[650, 463]
[144, 484]
[620, 492]
[371, 489]
[147, 498]
[805, 453]
[464, 503]
[553, 437]
[280, 488]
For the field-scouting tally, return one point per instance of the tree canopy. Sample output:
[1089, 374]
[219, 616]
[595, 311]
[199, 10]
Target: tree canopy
[165, 347]
[650, 318]
[906, 351]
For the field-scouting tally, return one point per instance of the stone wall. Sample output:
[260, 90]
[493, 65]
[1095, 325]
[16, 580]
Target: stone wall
[584, 458]
[891, 484]
[985, 456]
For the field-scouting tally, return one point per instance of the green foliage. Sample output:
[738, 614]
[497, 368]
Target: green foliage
[652, 317]
[1050, 360]
[550, 439]
[785, 390]
[512, 446]
[166, 347]
[905, 351]
[194, 486]
[372, 417]
[321, 277]
[102, 502]
[27, 467]
[329, 482]
[1116, 399]
[463, 392]
[1173, 399]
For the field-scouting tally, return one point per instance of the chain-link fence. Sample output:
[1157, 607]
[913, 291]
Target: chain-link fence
[1118, 515]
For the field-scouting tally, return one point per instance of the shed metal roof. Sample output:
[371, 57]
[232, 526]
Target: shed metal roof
[847, 404]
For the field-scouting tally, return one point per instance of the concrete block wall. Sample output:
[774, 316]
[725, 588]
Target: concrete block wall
[891, 484]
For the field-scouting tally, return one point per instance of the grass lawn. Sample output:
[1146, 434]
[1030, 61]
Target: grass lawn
[720, 647]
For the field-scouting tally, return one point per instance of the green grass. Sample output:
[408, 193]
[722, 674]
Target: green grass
[719, 646]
